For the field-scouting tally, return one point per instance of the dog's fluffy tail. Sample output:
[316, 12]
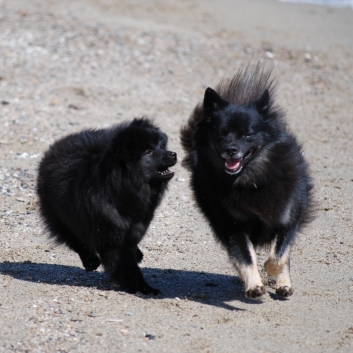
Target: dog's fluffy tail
[246, 86]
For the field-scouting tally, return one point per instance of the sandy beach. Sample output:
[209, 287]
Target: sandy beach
[69, 65]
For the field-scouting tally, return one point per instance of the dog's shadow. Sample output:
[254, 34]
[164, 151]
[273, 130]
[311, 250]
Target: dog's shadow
[207, 288]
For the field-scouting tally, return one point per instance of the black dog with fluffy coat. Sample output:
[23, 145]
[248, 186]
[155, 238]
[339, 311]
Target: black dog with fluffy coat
[248, 175]
[98, 191]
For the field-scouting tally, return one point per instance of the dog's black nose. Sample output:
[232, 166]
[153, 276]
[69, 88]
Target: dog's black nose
[231, 150]
[173, 155]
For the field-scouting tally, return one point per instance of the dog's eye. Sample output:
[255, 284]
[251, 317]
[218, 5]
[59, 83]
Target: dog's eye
[247, 134]
[149, 152]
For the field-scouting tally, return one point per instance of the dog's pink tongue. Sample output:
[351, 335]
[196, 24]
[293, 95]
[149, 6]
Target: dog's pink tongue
[233, 164]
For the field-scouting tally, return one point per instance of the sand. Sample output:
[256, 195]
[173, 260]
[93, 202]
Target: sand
[69, 65]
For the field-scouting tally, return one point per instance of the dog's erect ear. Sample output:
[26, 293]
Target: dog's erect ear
[213, 101]
[263, 104]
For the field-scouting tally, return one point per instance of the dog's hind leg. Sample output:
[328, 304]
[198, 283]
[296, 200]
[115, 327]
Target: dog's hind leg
[121, 266]
[242, 255]
[63, 234]
[90, 260]
[278, 262]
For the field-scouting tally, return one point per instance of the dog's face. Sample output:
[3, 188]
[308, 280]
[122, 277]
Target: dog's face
[142, 148]
[156, 159]
[238, 133]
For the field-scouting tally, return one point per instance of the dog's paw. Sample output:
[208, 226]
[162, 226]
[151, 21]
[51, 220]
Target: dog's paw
[91, 262]
[284, 291]
[255, 292]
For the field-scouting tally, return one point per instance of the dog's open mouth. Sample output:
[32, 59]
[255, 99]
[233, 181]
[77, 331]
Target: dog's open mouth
[165, 174]
[235, 165]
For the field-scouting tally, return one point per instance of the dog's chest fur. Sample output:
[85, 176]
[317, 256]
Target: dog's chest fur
[256, 203]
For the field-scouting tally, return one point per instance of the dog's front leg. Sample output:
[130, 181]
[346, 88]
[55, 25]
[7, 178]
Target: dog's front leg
[242, 255]
[278, 262]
